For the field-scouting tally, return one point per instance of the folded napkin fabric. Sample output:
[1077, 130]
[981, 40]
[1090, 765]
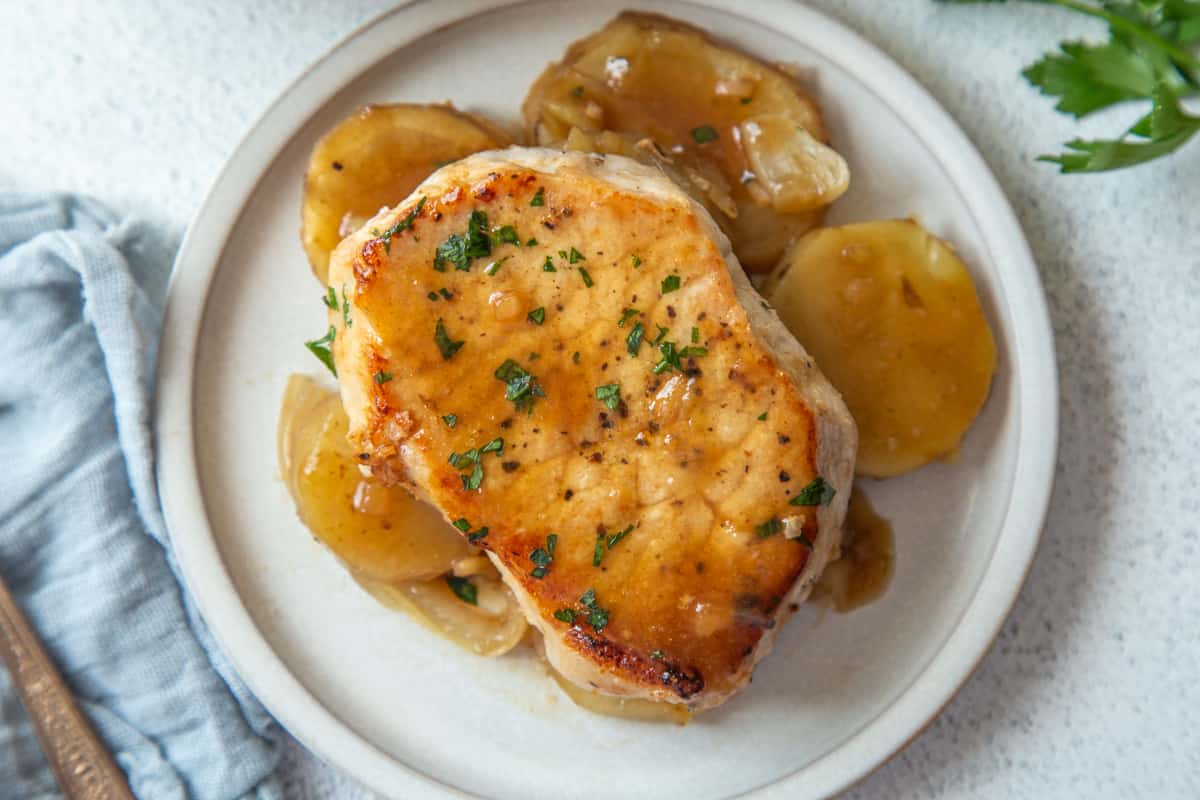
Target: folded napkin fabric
[82, 542]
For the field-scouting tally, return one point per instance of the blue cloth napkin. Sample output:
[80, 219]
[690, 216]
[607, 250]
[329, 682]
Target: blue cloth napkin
[83, 546]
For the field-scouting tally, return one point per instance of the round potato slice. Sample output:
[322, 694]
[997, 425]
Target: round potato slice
[735, 132]
[891, 315]
[375, 158]
[380, 532]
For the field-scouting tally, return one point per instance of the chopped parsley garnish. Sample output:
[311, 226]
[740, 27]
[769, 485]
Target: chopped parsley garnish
[670, 284]
[597, 617]
[346, 309]
[637, 262]
[382, 377]
[575, 356]
[549, 265]
[475, 479]
[537, 316]
[565, 615]
[446, 345]
[574, 257]
[462, 523]
[466, 591]
[531, 243]
[627, 315]
[619, 535]
[494, 446]
[657, 655]
[587, 279]
[562, 254]
[704, 134]
[816, 493]
[446, 293]
[521, 387]
[461, 249]
[543, 557]
[661, 333]
[762, 417]
[602, 544]
[450, 419]
[669, 360]
[695, 335]
[475, 536]
[494, 267]
[432, 296]
[633, 341]
[321, 349]
[465, 459]
[506, 234]
[598, 553]
[539, 198]
[804, 540]
[330, 300]
[402, 225]
[746, 100]
[769, 528]
[465, 526]
[610, 395]
[693, 352]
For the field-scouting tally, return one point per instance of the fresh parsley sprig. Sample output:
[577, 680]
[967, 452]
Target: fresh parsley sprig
[1153, 53]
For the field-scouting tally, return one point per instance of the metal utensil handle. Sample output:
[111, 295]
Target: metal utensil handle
[80, 761]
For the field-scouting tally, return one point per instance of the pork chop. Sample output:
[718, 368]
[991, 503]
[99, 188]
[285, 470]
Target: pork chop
[560, 352]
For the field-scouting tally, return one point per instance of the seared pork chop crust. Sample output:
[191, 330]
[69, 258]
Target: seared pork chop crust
[599, 387]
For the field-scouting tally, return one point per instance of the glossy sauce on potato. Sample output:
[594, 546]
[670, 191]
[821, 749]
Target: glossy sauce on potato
[868, 553]
[375, 158]
[399, 549]
[735, 132]
[891, 316]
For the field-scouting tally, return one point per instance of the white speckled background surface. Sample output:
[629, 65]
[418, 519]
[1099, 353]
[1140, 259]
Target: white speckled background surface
[1093, 688]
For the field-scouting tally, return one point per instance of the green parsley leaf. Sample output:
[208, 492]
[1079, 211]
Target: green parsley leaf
[321, 348]
[432, 296]
[619, 535]
[633, 341]
[587, 279]
[475, 479]
[475, 536]
[661, 333]
[462, 524]
[460, 250]
[450, 419]
[610, 395]
[804, 540]
[670, 284]
[574, 257]
[637, 262]
[769, 528]
[539, 198]
[402, 225]
[575, 356]
[330, 300]
[565, 615]
[543, 557]
[537, 316]
[446, 293]
[670, 359]
[382, 377]
[506, 234]
[446, 345]
[531, 243]
[346, 309]
[598, 552]
[549, 265]
[657, 655]
[521, 387]
[816, 493]
[597, 617]
[627, 315]
[693, 352]
[494, 267]
[762, 417]
[494, 446]
[695, 334]
[704, 134]
[464, 589]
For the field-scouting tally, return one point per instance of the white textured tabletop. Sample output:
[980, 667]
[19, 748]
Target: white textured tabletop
[1094, 685]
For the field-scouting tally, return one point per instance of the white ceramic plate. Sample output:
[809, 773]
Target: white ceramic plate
[410, 714]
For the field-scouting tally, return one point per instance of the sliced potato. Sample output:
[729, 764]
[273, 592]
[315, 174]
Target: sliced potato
[738, 134]
[891, 316]
[381, 532]
[491, 626]
[375, 158]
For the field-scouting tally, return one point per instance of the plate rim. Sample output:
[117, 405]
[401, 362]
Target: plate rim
[197, 552]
